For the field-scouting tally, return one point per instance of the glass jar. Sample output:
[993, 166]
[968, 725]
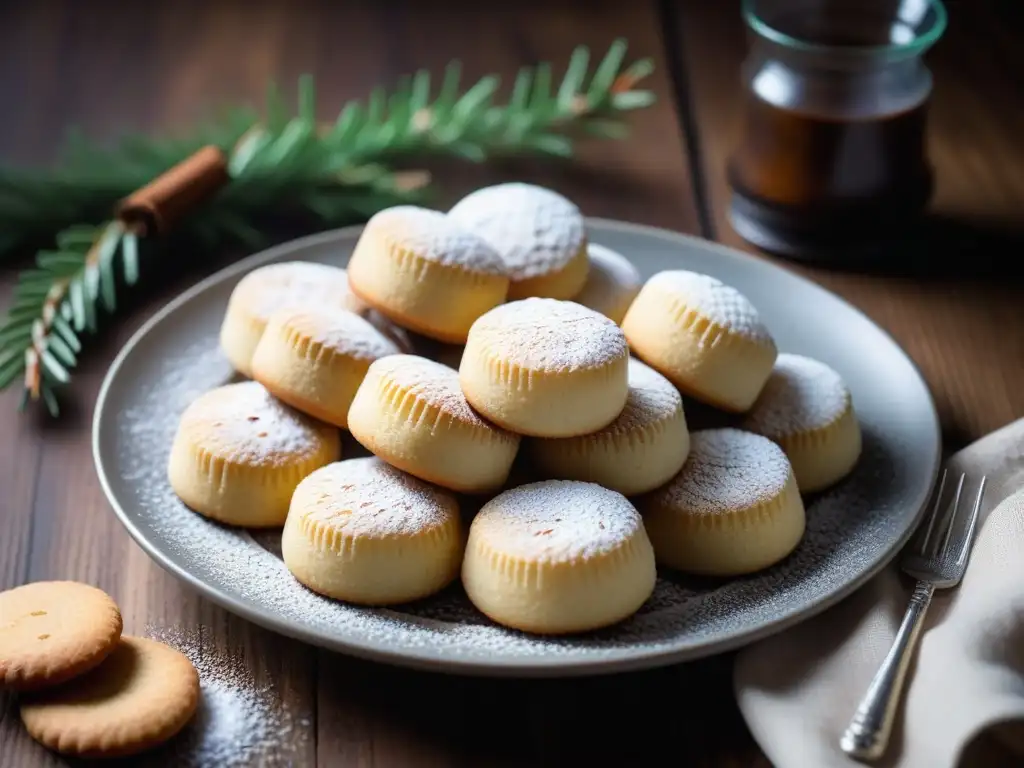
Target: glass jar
[832, 161]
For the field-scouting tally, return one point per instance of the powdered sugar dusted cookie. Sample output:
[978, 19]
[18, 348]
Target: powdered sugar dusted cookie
[315, 359]
[426, 272]
[411, 412]
[612, 283]
[365, 532]
[806, 408]
[239, 453]
[538, 233]
[268, 289]
[557, 557]
[546, 368]
[733, 509]
[705, 336]
[643, 448]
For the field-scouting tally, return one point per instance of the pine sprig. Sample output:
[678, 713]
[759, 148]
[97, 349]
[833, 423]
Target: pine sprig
[279, 162]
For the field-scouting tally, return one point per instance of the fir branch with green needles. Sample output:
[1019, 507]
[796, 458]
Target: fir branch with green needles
[278, 162]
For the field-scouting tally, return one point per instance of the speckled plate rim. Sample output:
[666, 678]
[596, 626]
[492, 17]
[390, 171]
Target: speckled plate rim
[620, 660]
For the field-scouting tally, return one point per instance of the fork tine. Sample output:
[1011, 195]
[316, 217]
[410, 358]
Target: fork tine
[944, 549]
[965, 548]
[935, 511]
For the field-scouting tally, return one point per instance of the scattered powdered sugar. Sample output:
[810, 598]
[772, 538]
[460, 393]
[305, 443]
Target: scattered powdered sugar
[435, 384]
[720, 303]
[294, 284]
[849, 527]
[612, 282]
[239, 722]
[368, 498]
[652, 398]
[557, 520]
[549, 335]
[433, 236]
[535, 230]
[341, 331]
[801, 395]
[243, 422]
[727, 470]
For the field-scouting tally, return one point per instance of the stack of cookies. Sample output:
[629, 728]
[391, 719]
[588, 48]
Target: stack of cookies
[85, 688]
[511, 378]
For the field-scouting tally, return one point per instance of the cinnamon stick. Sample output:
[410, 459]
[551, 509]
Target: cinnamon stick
[155, 208]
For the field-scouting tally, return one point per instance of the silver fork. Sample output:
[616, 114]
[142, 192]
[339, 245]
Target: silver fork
[938, 561]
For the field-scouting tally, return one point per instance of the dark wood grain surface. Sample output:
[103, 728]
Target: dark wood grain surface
[111, 67]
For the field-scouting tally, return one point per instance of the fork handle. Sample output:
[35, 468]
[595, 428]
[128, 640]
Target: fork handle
[867, 735]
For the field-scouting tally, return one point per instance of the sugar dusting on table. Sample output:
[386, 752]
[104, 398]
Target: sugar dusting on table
[239, 721]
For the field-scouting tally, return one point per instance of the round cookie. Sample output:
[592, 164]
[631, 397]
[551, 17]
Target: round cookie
[278, 286]
[705, 336]
[556, 557]
[144, 693]
[411, 412]
[546, 368]
[239, 453]
[642, 449]
[365, 532]
[806, 408]
[426, 273]
[612, 283]
[52, 631]
[538, 233]
[733, 509]
[315, 359]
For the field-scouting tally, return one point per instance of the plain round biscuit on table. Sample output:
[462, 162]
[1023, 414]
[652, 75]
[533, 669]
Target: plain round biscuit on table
[539, 234]
[612, 283]
[412, 413]
[143, 694]
[705, 336]
[239, 452]
[806, 408]
[642, 449]
[558, 557]
[546, 368]
[733, 509]
[315, 359]
[425, 272]
[268, 289]
[53, 631]
[365, 532]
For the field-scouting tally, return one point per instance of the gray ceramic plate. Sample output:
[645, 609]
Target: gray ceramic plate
[853, 530]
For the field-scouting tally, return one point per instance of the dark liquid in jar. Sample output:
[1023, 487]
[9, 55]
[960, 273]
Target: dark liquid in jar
[857, 170]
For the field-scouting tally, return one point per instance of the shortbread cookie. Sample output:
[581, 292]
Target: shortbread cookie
[52, 631]
[315, 359]
[612, 283]
[278, 286]
[539, 234]
[806, 408]
[642, 449]
[365, 532]
[705, 336]
[239, 453]
[144, 693]
[426, 272]
[411, 412]
[557, 557]
[733, 509]
[546, 368]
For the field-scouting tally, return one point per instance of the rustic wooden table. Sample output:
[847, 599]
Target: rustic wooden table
[112, 66]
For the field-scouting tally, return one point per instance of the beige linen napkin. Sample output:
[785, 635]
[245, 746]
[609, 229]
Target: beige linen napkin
[964, 700]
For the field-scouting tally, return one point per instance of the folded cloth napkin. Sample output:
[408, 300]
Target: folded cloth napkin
[964, 699]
